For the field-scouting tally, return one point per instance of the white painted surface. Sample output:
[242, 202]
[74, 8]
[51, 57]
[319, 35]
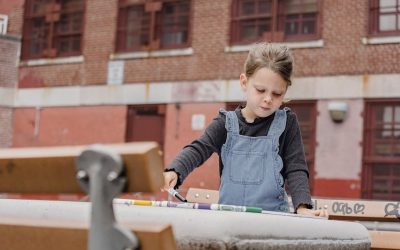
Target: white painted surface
[115, 72]
[293, 45]
[51, 61]
[198, 121]
[156, 53]
[3, 24]
[380, 40]
[338, 153]
[223, 228]
[326, 87]
[7, 97]
[307, 88]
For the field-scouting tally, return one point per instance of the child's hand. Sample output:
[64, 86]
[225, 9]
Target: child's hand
[302, 209]
[170, 179]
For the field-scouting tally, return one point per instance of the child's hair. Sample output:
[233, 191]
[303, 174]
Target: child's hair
[272, 56]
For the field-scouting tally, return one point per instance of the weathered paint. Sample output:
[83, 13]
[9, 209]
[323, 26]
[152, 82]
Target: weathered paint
[337, 188]
[338, 153]
[69, 126]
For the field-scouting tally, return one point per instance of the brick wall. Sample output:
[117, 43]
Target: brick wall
[9, 47]
[5, 127]
[13, 9]
[344, 24]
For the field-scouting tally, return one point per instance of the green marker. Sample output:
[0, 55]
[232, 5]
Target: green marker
[254, 209]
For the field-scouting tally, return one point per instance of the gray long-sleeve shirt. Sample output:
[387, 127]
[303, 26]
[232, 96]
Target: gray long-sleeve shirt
[295, 169]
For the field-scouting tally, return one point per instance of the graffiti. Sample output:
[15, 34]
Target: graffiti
[347, 209]
[392, 209]
[354, 208]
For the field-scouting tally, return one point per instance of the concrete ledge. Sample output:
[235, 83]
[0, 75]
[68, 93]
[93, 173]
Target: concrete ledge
[205, 229]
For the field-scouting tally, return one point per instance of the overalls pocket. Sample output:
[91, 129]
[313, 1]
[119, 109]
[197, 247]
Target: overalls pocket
[246, 167]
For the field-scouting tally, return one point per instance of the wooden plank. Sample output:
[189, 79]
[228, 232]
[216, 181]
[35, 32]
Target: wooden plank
[360, 209]
[52, 169]
[62, 235]
[385, 240]
[201, 195]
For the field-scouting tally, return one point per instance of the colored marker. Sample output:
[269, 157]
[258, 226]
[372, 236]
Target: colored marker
[189, 205]
[180, 205]
[175, 193]
[142, 203]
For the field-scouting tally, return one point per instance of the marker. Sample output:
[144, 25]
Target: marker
[173, 192]
[142, 203]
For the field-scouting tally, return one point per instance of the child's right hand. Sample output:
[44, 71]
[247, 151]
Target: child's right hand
[306, 211]
[170, 180]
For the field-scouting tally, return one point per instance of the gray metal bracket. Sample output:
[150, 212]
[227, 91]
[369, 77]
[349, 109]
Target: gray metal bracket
[99, 174]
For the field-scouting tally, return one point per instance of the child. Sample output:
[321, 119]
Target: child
[259, 145]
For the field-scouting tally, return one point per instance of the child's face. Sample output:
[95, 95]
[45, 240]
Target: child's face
[264, 92]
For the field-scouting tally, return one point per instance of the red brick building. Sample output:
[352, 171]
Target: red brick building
[105, 71]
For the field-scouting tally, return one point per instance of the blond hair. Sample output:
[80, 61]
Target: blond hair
[272, 56]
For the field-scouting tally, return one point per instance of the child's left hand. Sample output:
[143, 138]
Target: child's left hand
[302, 209]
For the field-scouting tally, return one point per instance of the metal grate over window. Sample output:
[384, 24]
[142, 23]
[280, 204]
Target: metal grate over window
[52, 28]
[144, 25]
[273, 20]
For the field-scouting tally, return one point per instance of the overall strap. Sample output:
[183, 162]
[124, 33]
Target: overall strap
[279, 123]
[232, 122]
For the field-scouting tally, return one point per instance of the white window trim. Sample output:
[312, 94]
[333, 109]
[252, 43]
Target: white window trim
[3, 24]
[155, 53]
[292, 45]
[380, 40]
[51, 61]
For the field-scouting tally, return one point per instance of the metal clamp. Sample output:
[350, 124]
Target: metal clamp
[99, 173]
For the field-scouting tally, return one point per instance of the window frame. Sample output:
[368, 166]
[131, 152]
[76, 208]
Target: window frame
[373, 21]
[372, 160]
[277, 33]
[51, 17]
[155, 10]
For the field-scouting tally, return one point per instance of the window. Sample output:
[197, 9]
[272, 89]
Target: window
[144, 25]
[306, 112]
[274, 20]
[381, 156]
[384, 17]
[52, 28]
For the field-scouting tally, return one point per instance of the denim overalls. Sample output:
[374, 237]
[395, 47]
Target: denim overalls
[251, 174]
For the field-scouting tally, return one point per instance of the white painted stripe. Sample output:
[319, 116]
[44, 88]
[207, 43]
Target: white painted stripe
[7, 97]
[43, 97]
[61, 60]
[292, 45]
[328, 87]
[304, 88]
[156, 53]
[380, 40]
